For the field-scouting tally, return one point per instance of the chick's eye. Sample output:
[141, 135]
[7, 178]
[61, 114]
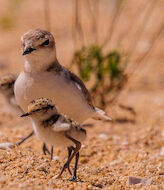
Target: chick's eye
[45, 43]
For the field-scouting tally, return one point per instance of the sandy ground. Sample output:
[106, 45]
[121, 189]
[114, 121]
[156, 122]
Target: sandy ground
[113, 151]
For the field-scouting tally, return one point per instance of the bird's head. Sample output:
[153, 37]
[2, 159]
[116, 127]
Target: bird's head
[7, 84]
[38, 47]
[40, 108]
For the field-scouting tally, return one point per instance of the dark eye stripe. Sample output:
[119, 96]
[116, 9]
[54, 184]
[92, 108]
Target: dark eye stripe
[45, 108]
[37, 110]
[7, 84]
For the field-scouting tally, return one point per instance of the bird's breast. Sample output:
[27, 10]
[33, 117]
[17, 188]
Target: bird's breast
[68, 98]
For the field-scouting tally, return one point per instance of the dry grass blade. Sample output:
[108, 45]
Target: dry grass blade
[47, 19]
[114, 22]
[141, 29]
[93, 9]
[138, 62]
[130, 26]
[154, 41]
[77, 33]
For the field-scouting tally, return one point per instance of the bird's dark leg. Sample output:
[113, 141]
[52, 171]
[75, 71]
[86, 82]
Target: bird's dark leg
[70, 149]
[74, 177]
[24, 139]
[45, 149]
[76, 150]
[52, 151]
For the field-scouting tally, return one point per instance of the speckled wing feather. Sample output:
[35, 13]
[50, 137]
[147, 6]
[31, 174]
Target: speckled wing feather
[63, 123]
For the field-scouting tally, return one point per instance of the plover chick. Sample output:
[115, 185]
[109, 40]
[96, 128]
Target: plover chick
[57, 130]
[7, 90]
[43, 76]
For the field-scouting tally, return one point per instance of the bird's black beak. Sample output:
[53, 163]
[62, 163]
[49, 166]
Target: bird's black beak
[25, 115]
[28, 50]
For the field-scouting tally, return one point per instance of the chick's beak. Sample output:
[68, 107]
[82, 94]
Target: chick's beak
[28, 50]
[25, 114]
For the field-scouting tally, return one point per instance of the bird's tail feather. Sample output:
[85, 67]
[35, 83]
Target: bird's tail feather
[101, 115]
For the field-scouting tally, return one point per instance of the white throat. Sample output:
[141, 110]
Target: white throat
[38, 61]
[42, 117]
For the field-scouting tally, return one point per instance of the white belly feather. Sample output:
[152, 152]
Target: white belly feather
[56, 138]
[68, 99]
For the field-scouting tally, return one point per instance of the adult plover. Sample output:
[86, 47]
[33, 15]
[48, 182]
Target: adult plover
[43, 76]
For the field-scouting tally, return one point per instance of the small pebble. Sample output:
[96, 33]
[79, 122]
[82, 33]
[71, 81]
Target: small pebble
[162, 151]
[6, 145]
[55, 157]
[103, 136]
[137, 180]
[162, 133]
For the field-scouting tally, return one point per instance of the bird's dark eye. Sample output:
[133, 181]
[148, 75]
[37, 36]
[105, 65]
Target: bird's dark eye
[45, 43]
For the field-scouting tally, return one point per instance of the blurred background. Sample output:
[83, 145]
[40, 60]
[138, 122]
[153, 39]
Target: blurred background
[108, 43]
[115, 47]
